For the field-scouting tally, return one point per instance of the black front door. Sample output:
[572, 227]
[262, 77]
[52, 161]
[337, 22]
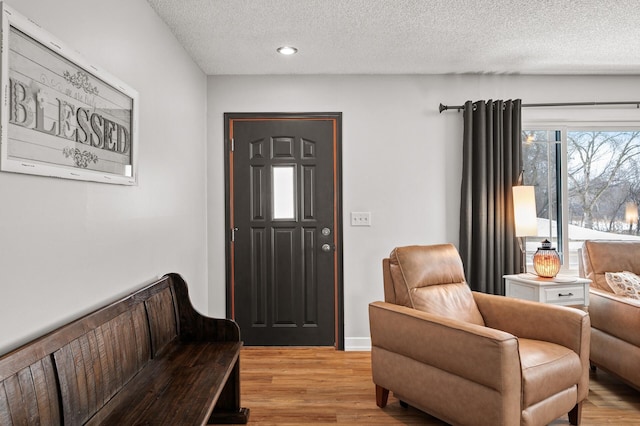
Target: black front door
[283, 216]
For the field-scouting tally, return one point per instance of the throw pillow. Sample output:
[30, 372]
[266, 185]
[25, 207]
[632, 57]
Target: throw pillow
[624, 283]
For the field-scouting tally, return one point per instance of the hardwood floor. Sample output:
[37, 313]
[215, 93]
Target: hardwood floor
[324, 386]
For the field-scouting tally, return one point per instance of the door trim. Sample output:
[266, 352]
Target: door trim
[336, 117]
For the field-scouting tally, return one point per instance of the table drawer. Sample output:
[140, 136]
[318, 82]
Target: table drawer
[564, 294]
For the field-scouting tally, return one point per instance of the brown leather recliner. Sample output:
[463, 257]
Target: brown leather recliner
[470, 358]
[615, 320]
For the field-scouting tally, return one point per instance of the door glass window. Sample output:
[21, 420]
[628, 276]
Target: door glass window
[283, 190]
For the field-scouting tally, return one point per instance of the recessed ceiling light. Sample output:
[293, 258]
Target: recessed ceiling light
[286, 50]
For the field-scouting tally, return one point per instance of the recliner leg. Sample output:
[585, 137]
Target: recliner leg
[575, 415]
[382, 396]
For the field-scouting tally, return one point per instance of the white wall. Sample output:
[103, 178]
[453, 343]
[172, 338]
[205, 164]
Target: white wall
[67, 246]
[401, 158]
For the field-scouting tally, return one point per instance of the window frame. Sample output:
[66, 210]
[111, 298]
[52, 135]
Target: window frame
[564, 127]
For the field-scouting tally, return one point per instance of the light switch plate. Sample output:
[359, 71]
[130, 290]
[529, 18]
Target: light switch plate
[360, 218]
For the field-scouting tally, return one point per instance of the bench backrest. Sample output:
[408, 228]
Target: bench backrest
[67, 375]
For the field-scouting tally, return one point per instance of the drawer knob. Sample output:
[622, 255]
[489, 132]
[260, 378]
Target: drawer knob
[565, 295]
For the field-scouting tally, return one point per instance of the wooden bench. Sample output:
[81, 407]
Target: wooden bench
[148, 358]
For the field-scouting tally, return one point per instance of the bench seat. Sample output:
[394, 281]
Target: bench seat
[148, 358]
[179, 388]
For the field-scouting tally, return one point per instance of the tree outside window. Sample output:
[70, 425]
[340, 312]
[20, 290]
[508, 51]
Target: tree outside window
[599, 193]
[603, 176]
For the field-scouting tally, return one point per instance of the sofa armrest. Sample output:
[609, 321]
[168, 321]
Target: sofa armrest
[615, 315]
[480, 354]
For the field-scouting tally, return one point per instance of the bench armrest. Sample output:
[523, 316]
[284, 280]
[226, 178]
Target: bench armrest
[479, 354]
[195, 327]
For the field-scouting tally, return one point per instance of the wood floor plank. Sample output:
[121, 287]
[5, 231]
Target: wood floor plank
[322, 386]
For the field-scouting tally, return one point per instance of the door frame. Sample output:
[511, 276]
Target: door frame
[338, 222]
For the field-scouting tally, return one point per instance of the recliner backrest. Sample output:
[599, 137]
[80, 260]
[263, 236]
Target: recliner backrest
[431, 279]
[599, 257]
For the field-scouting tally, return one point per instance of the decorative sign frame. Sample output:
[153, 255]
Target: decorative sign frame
[59, 114]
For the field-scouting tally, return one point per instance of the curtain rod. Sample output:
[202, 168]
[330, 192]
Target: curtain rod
[560, 104]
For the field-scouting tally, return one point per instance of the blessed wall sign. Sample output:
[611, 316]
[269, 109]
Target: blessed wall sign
[62, 116]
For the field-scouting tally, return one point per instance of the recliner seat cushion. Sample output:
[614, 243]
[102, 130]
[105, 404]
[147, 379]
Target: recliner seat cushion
[547, 368]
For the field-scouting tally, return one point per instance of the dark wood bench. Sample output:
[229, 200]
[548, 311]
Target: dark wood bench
[148, 358]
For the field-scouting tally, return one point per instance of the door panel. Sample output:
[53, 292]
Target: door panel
[283, 191]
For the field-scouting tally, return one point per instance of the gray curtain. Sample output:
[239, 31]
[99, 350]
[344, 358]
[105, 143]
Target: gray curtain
[492, 162]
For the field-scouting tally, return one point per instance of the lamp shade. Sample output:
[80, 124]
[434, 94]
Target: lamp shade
[631, 212]
[524, 210]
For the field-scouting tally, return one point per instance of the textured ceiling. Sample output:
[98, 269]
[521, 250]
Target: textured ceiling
[408, 36]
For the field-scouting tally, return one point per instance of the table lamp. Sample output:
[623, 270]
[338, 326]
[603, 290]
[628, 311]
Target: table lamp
[525, 217]
[546, 261]
[631, 214]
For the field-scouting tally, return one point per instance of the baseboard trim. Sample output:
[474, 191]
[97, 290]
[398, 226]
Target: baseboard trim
[357, 344]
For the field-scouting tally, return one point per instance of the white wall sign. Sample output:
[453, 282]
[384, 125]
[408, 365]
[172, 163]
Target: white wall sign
[61, 116]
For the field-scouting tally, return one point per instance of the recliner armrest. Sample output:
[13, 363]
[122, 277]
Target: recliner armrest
[533, 320]
[480, 354]
[564, 326]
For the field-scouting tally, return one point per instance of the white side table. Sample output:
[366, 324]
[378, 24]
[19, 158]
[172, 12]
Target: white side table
[561, 290]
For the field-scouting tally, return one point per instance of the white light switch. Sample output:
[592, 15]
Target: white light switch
[360, 218]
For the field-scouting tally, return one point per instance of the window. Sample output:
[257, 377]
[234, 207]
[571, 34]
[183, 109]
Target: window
[283, 188]
[587, 184]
